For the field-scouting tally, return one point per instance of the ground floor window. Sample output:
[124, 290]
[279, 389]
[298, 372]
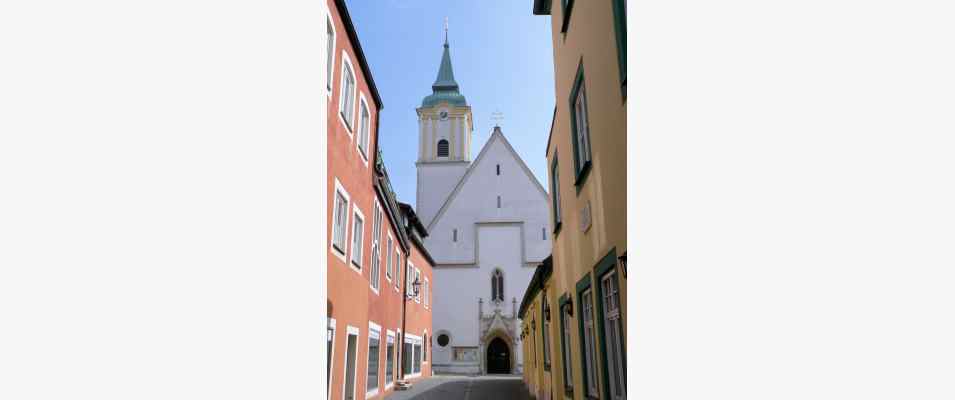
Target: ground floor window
[589, 348]
[374, 351]
[565, 347]
[390, 359]
[613, 335]
[417, 358]
[412, 355]
[331, 346]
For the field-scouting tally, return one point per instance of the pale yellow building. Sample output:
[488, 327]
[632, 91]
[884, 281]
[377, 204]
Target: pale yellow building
[580, 353]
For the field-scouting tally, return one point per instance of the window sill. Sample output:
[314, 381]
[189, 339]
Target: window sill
[348, 128]
[582, 176]
[339, 253]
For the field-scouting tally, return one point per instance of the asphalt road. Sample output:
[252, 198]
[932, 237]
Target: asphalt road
[478, 388]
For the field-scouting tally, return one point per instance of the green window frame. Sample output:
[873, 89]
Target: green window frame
[582, 156]
[583, 285]
[565, 345]
[555, 194]
[545, 332]
[620, 30]
[567, 6]
[605, 265]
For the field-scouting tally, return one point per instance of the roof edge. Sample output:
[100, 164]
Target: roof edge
[362, 61]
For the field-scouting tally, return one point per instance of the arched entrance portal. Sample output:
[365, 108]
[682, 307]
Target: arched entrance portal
[498, 357]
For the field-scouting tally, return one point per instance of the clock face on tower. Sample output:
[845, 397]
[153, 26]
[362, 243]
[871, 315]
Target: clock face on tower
[443, 115]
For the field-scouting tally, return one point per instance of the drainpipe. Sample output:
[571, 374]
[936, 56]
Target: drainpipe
[404, 329]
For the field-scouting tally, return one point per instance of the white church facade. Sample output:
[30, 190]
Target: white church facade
[488, 228]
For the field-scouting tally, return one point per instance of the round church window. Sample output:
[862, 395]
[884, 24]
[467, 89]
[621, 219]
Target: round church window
[443, 340]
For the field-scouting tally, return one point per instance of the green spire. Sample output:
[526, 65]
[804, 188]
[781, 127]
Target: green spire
[445, 80]
[445, 88]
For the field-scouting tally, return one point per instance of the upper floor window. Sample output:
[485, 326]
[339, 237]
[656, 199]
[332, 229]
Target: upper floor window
[389, 257]
[442, 148]
[340, 220]
[580, 126]
[364, 128]
[555, 193]
[376, 247]
[566, 7]
[357, 235]
[497, 285]
[346, 104]
[330, 57]
[427, 293]
[499, 169]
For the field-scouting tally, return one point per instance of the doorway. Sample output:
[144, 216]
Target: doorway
[498, 357]
[351, 355]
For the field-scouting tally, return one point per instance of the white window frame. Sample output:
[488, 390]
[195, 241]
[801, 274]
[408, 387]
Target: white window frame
[389, 257]
[374, 280]
[331, 356]
[374, 332]
[350, 331]
[361, 241]
[412, 340]
[409, 278]
[397, 268]
[330, 57]
[341, 253]
[349, 124]
[427, 293]
[363, 141]
[391, 338]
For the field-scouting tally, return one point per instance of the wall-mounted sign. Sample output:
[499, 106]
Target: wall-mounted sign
[585, 219]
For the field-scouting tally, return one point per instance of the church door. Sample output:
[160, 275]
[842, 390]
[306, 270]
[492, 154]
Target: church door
[498, 357]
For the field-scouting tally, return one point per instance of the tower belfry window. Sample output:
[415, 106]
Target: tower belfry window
[499, 169]
[442, 148]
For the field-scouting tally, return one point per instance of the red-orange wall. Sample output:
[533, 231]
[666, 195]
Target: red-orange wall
[351, 300]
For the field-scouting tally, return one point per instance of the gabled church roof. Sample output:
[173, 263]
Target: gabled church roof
[498, 135]
[445, 88]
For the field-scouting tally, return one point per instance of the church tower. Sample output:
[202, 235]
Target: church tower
[444, 139]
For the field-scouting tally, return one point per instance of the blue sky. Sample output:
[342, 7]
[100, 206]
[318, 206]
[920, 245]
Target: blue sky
[502, 60]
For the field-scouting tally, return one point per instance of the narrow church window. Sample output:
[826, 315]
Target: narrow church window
[498, 201]
[497, 286]
[442, 148]
[499, 169]
[544, 233]
[454, 235]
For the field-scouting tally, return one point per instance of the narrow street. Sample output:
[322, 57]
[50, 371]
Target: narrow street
[467, 388]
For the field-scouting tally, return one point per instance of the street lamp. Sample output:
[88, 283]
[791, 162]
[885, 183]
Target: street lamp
[415, 288]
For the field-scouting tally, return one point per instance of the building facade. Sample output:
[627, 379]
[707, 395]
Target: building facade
[377, 274]
[487, 220]
[586, 155]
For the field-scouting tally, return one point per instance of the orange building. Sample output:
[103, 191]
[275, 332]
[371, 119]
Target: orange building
[378, 271]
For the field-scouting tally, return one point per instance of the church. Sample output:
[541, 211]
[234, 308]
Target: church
[488, 223]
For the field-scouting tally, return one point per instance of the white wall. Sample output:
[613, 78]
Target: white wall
[435, 182]
[508, 238]
[521, 200]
